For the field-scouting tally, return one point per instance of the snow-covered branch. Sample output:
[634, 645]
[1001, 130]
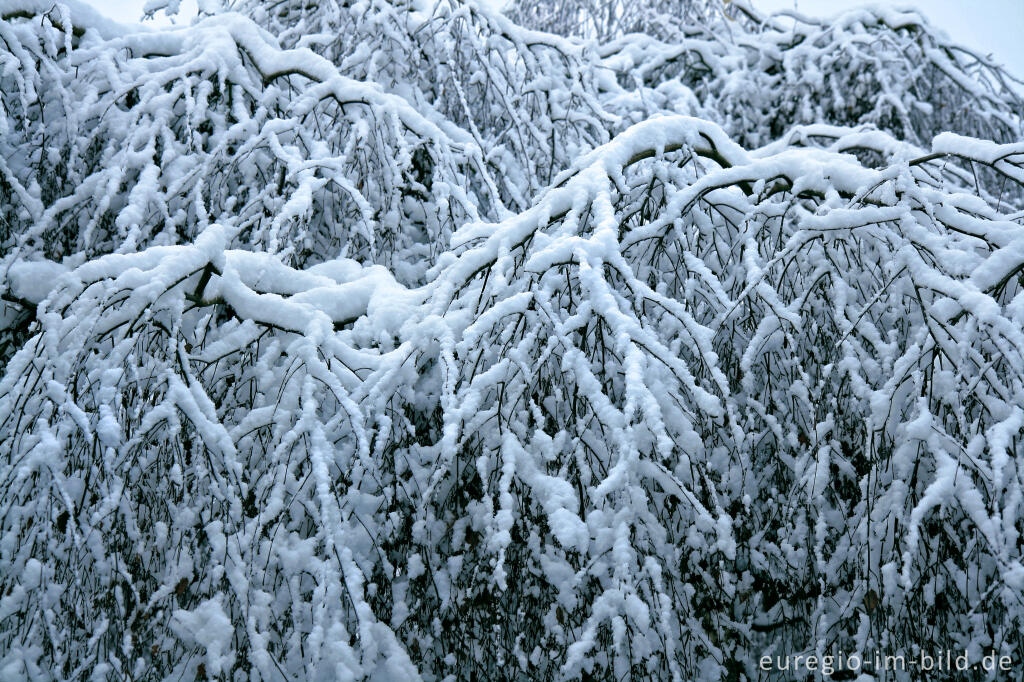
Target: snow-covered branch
[395, 341]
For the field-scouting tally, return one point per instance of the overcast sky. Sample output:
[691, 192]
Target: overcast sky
[991, 26]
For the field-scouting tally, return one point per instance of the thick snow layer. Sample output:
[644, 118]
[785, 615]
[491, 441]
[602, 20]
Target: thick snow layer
[32, 281]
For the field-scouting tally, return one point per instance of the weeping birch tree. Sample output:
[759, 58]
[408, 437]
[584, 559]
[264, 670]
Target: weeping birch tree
[397, 340]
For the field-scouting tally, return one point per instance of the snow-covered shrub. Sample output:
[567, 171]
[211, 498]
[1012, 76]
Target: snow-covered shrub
[356, 381]
[157, 134]
[606, 20]
[759, 76]
[527, 99]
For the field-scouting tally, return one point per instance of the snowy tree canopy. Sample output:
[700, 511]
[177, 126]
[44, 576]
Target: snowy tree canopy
[398, 340]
